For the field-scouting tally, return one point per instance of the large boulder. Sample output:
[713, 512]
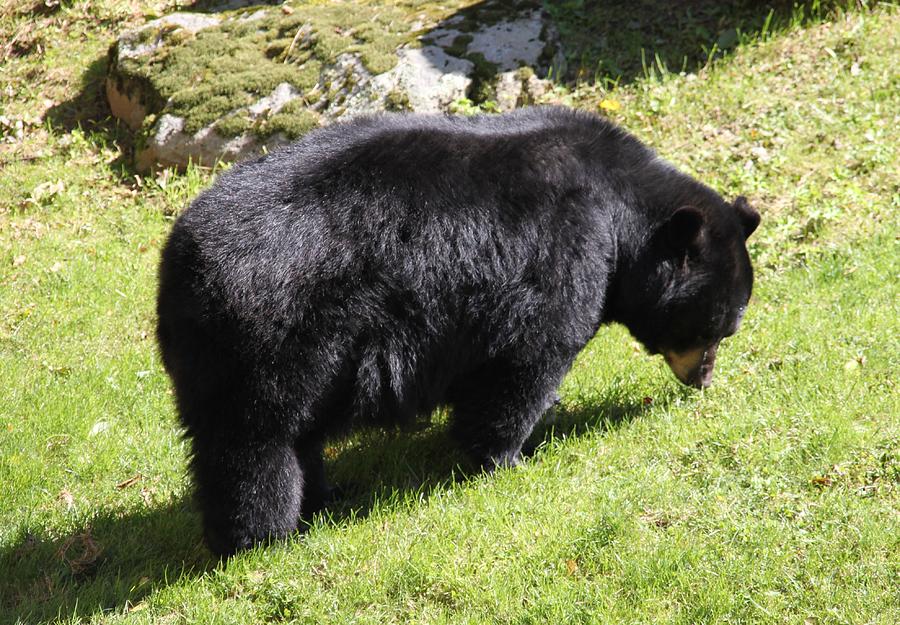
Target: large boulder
[227, 84]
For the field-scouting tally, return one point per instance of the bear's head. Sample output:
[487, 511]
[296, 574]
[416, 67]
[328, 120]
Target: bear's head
[689, 285]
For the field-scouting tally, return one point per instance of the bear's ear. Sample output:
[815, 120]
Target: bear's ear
[684, 227]
[747, 214]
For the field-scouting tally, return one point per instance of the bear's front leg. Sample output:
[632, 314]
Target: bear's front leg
[496, 407]
[249, 491]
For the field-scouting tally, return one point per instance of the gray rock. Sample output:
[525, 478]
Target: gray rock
[132, 45]
[511, 44]
[433, 75]
[128, 100]
[169, 145]
[429, 78]
[519, 88]
[275, 101]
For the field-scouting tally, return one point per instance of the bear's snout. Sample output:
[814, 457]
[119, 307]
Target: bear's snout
[693, 367]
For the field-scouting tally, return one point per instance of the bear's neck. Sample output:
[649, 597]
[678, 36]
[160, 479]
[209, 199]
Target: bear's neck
[647, 194]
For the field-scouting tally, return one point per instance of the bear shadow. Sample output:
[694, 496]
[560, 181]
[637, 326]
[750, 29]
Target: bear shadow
[118, 558]
[379, 467]
[89, 111]
[108, 563]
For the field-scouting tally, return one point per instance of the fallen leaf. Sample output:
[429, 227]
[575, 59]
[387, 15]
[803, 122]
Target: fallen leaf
[79, 552]
[66, 497]
[130, 481]
[657, 519]
[571, 567]
[57, 442]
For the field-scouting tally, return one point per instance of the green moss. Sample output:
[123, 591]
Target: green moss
[397, 100]
[524, 73]
[465, 106]
[233, 125]
[484, 79]
[291, 123]
[277, 49]
[141, 137]
[176, 36]
[146, 35]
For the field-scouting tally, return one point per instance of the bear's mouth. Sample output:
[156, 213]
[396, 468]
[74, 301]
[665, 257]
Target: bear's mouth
[693, 367]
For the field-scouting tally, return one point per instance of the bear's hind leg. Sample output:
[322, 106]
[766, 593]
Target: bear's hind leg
[317, 492]
[249, 491]
[496, 407]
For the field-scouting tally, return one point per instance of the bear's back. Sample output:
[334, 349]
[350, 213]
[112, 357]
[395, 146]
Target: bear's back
[422, 193]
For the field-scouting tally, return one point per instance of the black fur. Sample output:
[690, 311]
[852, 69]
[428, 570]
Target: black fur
[379, 268]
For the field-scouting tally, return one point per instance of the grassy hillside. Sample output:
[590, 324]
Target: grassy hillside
[772, 497]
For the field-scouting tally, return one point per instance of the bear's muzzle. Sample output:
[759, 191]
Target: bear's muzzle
[693, 367]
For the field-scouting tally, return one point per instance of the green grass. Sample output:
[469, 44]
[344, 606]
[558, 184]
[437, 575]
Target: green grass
[772, 497]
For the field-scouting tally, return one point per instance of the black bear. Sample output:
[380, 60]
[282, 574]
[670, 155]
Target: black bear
[379, 268]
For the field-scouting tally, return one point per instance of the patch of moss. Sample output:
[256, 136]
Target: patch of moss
[277, 49]
[292, 122]
[397, 100]
[524, 73]
[465, 106]
[233, 125]
[484, 79]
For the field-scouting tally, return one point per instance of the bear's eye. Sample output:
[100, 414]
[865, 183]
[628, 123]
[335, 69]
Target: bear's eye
[733, 327]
